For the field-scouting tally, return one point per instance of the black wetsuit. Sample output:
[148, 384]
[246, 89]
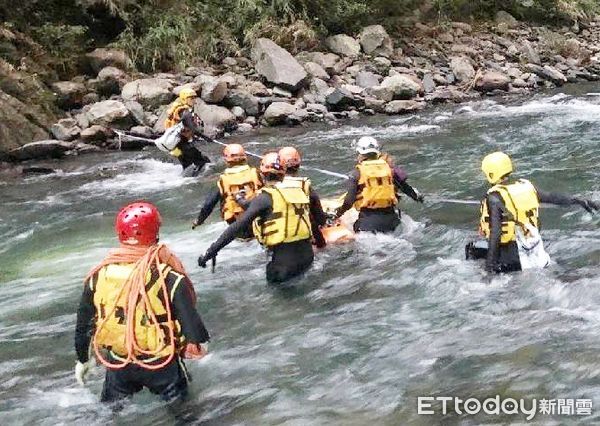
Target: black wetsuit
[214, 198]
[287, 259]
[505, 257]
[170, 382]
[190, 154]
[377, 220]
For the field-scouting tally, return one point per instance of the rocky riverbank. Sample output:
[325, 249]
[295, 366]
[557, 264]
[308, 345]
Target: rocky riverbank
[366, 73]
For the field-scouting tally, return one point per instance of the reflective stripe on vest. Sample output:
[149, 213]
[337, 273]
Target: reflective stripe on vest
[108, 286]
[521, 201]
[375, 185]
[290, 218]
[231, 182]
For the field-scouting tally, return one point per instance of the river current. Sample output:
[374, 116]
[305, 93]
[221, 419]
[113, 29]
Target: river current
[374, 324]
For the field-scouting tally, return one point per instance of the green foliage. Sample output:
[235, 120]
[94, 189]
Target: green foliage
[64, 43]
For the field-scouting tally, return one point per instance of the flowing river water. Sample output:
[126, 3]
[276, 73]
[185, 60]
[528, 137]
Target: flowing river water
[372, 326]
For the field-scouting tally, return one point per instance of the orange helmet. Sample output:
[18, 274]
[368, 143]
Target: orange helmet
[271, 164]
[234, 152]
[290, 157]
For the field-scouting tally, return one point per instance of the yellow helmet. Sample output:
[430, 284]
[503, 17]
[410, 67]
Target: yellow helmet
[496, 166]
[186, 93]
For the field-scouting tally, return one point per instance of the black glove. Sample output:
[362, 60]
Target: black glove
[203, 260]
[420, 198]
[589, 205]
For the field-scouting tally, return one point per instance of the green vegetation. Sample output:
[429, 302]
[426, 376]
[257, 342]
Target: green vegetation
[166, 34]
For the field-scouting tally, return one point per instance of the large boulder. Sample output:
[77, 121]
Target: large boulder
[100, 58]
[400, 107]
[492, 80]
[315, 70]
[69, 94]
[367, 79]
[95, 134]
[214, 91]
[41, 149]
[110, 81]
[245, 100]
[340, 99]
[65, 130]
[317, 91]
[150, 92]
[343, 45]
[402, 86]
[462, 69]
[506, 20]
[217, 119]
[375, 40]
[277, 65]
[326, 60]
[279, 112]
[109, 113]
[529, 53]
[548, 73]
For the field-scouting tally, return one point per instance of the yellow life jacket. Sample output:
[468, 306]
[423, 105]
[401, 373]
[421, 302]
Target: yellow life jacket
[175, 111]
[300, 182]
[112, 334]
[231, 182]
[375, 185]
[290, 218]
[521, 201]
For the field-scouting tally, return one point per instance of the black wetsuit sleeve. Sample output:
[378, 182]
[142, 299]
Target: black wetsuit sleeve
[209, 204]
[260, 206]
[316, 210]
[407, 189]
[185, 312]
[556, 198]
[351, 193]
[495, 209]
[85, 323]
[187, 118]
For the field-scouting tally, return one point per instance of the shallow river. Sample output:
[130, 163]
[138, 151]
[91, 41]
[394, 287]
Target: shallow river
[372, 326]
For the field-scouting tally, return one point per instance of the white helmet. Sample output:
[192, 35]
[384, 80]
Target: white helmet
[367, 145]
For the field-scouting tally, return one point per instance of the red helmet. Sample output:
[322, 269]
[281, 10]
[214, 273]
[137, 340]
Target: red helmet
[234, 152]
[270, 164]
[290, 157]
[138, 224]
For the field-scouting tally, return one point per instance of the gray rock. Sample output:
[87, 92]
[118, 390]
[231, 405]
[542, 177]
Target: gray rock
[214, 91]
[463, 26]
[375, 40]
[298, 116]
[506, 19]
[109, 113]
[514, 73]
[342, 65]
[316, 108]
[100, 58]
[95, 134]
[382, 64]
[462, 69]
[518, 82]
[315, 70]
[244, 128]
[90, 98]
[402, 86]
[368, 79]
[229, 61]
[548, 73]
[150, 92]
[428, 83]
[326, 60]
[340, 99]
[492, 80]
[375, 104]
[317, 91]
[217, 119]
[446, 94]
[137, 112]
[256, 88]
[399, 107]
[197, 87]
[69, 94]
[278, 112]
[343, 45]
[278, 91]
[65, 130]
[446, 38]
[41, 149]
[111, 73]
[239, 112]
[277, 65]
[243, 99]
[529, 53]
[142, 131]
[193, 71]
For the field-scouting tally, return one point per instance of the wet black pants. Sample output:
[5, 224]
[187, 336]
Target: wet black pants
[289, 260]
[377, 220]
[191, 155]
[170, 382]
[508, 255]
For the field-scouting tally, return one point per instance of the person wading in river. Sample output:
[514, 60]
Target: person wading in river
[290, 157]
[280, 215]
[137, 309]
[509, 219]
[236, 187]
[372, 188]
[182, 111]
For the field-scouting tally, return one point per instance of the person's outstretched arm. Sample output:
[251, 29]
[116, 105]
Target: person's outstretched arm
[400, 183]
[260, 206]
[209, 204]
[351, 194]
[567, 200]
[85, 323]
[316, 210]
[495, 209]
[184, 310]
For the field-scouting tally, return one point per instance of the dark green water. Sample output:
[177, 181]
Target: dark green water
[372, 326]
